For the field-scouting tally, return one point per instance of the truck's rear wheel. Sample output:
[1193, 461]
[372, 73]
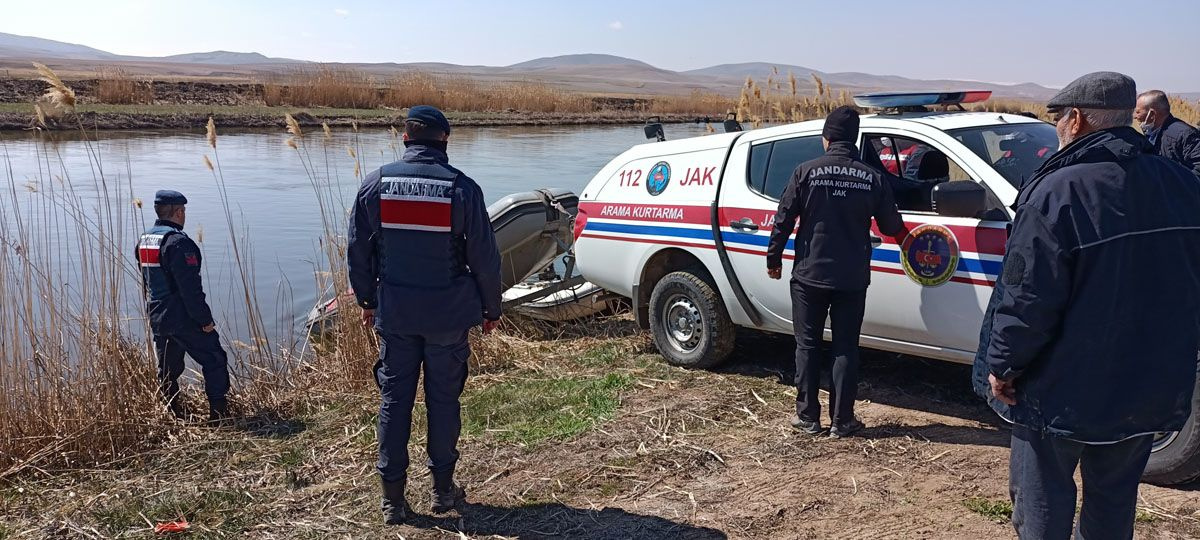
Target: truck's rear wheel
[688, 321]
[1175, 456]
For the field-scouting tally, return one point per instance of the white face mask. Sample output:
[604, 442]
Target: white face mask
[1146, 124]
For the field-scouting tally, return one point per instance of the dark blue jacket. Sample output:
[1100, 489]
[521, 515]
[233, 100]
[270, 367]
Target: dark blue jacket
[1097, 311]
[1179, 142]
[421, 248]
[170, 264]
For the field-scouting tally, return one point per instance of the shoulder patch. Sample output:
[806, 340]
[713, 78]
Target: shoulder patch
[1014, 269]
[191, 259]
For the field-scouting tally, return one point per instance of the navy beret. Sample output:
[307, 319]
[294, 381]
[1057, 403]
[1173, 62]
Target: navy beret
[169, 196]
[1099, 90]
[429, 116]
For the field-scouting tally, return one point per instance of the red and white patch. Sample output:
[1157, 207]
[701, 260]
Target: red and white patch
[191, 259]
[415, 204]
[148, 250]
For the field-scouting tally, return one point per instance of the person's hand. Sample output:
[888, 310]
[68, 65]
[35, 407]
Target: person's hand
[1003, 390]
[488, 326]
[775, 273]
[209, 329]
[368, 318]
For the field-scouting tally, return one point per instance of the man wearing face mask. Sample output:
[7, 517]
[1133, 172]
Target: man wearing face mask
[1172, 138]
[1089, 342]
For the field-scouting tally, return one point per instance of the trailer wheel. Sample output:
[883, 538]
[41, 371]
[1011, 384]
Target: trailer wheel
[1175, 456]
[688, 321]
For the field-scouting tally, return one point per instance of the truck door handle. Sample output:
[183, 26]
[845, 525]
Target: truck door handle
[744, 224]
[876, 241]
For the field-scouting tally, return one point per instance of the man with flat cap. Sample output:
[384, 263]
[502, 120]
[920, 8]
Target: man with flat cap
[425, 267]
[834, 197]
[1089, 342]
[180, 318]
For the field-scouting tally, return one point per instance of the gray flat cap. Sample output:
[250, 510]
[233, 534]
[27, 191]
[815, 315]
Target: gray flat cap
[1099, 90]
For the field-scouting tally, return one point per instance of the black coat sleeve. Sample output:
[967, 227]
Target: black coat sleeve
[362, 243]
[1037, 283]
[482, 254]
[181, 258]
[887, 215]
[790, 205]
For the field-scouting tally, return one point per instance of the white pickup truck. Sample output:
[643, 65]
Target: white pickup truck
[681, 229]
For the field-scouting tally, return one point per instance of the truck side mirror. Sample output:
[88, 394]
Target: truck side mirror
[963, 198]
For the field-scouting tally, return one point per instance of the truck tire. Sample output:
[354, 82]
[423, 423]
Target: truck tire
[1175, 456]
[688, 321]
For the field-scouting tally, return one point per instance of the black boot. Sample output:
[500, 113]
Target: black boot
[395, 507]
[178, 410]
[446, 495]
[218, 412]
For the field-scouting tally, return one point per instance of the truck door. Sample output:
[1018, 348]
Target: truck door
[933, 289]
[758, 170]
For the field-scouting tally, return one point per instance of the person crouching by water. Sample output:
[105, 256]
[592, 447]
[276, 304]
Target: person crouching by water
[425, 268]
[180, 318]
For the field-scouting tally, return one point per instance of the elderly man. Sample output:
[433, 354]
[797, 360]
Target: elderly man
[1172, 138]
[1089, 342]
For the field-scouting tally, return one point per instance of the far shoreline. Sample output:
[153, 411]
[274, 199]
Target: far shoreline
[21, 117]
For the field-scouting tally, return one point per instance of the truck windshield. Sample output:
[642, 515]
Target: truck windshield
[1014, 150]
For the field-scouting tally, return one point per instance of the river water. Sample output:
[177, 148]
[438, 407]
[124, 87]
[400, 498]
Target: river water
[270, 191]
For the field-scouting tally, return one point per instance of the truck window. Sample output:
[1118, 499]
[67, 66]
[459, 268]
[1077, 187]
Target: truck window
[912, 168]
[778, 160]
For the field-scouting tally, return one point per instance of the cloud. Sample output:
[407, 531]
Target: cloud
[341, 12]
[616, 25]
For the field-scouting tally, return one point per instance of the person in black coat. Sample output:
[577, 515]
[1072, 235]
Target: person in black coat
[1172, 138]
[834, 197]
[1089, 342]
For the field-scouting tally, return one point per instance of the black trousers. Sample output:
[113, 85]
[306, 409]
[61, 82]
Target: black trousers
[810, 307]
[1042, 485]
[205, 349]
[443, 358]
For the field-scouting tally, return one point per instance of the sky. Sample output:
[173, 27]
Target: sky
[1049, 42]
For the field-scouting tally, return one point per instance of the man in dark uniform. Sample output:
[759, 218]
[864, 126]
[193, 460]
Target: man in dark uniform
[180, 318]
[1172, 138]
[425, 267]
[1089, 342]
[834, 196]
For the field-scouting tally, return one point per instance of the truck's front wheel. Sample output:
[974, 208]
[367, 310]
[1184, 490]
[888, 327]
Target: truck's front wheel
[1175, 456]
[688, 321]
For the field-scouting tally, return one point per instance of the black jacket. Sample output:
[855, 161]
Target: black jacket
[1179, 142]
[1097, 313]
[834, 196]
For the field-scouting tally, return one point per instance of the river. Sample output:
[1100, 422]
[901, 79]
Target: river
[273, 199]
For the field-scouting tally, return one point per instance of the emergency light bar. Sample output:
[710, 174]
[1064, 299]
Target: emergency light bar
[898, 100]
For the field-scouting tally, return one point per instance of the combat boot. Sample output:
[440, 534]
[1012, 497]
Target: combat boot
[178, 409]
[218, 412]
[394, 506]
[446, 495]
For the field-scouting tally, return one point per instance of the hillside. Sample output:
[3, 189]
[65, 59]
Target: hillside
[592, 73]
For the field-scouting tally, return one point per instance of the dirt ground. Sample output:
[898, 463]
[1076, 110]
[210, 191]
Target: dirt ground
[685, 454]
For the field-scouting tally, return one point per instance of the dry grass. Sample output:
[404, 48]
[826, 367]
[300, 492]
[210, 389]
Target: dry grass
[115, 86]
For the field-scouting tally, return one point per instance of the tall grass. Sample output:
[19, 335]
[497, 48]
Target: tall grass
[114, 85]
[77, 367]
